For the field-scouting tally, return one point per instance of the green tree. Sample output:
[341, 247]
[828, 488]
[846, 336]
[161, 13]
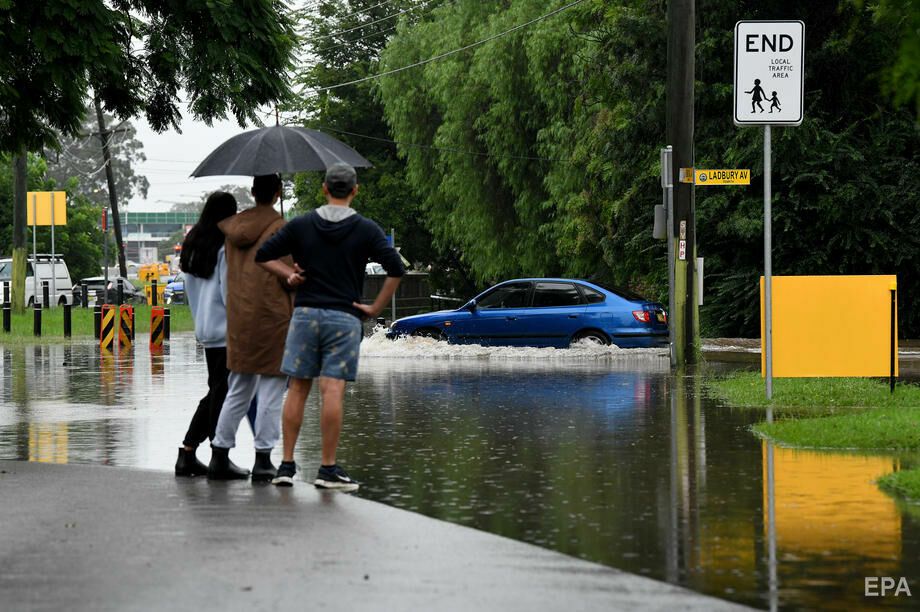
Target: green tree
[584, 92]
[343, 43]
[80, 156]
[80, 241]
[136, 56]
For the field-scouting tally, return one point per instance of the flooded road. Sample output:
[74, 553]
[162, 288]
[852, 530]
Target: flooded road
[594, 452]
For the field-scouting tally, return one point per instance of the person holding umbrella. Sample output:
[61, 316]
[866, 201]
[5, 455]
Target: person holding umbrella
[258, 310]
[331, 247]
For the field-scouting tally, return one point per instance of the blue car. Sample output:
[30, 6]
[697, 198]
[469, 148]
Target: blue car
[174, 293]
[545, 312]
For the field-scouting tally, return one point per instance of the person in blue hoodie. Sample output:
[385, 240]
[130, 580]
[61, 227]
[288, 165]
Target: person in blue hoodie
[330, 247]
[205, 269]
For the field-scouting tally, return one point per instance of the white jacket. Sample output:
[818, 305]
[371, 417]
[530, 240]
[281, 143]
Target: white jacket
[207, 298]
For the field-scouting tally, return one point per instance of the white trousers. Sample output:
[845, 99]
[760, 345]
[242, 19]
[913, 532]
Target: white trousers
[269, 394]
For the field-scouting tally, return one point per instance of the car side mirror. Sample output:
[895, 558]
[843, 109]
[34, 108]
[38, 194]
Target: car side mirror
[471, 306]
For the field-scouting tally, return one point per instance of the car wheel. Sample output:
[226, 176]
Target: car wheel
[62, 301]
[592, 336]
[427, 332]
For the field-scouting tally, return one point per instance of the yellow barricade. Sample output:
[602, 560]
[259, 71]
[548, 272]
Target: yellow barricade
[126, 324]
[157, 329]
[107, 328]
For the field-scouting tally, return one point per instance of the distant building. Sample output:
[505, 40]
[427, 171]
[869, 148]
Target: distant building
[147, 230]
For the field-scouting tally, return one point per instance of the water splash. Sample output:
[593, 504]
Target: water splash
[377, 345]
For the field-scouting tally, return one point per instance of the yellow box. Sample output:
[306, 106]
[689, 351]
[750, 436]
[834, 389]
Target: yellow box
[827, 326]
[38, 205]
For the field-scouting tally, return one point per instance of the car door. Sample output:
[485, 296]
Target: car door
[555, 314]
[495, 320]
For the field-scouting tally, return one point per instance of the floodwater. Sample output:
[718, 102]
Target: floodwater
[595, 452]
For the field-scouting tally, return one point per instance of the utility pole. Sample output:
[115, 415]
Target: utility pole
[20, 189]
[110, 178]
[680, 98]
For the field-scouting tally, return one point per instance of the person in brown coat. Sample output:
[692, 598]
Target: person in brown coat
[259, 309]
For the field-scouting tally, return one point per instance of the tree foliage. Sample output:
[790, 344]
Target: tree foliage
[545, 157]
[80, 241]
[136, 55]
[343, 41]
[80, 157]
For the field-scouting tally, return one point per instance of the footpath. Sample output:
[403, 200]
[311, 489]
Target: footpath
[100, 538]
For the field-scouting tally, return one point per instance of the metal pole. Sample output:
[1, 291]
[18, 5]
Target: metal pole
[393, 299]
[667, 160]
[53, 274]
[34, 250]
[768, 259]
[894, 342]
[105, 257]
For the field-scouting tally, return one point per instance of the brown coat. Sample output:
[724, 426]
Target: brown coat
[258, 307]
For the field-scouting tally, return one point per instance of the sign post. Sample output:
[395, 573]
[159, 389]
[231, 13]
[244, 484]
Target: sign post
[769, 69]
[45, 210]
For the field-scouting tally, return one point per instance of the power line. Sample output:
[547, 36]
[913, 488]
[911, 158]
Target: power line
[447, 149]
[453, 52]
[350, 42]
[370, 23]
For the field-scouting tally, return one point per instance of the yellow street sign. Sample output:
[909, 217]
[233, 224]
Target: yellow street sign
[722, 177]
[38, 207]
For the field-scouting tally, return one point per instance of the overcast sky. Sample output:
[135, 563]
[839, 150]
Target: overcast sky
[171, 157]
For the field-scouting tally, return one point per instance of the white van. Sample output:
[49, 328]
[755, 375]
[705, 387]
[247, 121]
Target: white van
[59, 291]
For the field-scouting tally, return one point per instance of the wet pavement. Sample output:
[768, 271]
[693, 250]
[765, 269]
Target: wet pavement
[94, 538]
[593, 452]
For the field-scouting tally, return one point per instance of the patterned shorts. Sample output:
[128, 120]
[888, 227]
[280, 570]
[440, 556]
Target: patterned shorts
[322, 342]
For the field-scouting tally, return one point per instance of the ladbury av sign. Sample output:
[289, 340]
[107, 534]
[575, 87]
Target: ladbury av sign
[769, 72]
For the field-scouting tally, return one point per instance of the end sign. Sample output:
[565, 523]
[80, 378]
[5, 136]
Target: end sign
[769, 72]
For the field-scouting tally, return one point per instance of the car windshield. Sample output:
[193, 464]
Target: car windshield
[626, 294]
[6, 270]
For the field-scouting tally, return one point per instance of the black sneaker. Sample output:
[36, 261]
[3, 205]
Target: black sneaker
[285, 475]
[334, 477]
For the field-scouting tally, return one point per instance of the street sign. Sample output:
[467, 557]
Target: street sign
[40, 210]
[722, 177]
[769, 72]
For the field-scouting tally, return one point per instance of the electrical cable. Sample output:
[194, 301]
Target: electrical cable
[448, 149]
[350, 42]
[453, 52]
[370, 23]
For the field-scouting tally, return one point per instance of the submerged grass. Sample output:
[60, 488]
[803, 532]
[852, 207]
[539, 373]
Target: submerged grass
[812, 396]
[82, 325]
[829, 413]
[891, 429]
[905, 484]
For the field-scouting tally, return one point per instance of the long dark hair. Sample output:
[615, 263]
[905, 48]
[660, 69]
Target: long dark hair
[201, 245]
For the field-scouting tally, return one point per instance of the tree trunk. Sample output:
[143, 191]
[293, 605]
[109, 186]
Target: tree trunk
[113, 200]
[20, 188]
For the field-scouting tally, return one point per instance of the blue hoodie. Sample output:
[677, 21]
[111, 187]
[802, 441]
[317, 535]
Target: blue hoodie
[207, 298]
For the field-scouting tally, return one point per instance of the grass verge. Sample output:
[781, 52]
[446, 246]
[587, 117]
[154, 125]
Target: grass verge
[812, 396]
[904, 484]
[82, 324]
[890, 429]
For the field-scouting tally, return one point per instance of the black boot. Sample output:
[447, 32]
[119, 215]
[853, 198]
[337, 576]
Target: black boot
[188, 465]
[221, 468]
[262, 469]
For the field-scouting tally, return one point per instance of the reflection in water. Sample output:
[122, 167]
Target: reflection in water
[48, 442]
[607, 457]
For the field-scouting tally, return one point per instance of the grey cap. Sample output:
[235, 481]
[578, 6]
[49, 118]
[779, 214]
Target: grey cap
[341, 179]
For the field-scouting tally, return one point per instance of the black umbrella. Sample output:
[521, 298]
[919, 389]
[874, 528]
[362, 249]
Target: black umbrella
[278, 149]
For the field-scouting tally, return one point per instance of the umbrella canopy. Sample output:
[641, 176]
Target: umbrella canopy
[278, 149]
